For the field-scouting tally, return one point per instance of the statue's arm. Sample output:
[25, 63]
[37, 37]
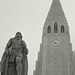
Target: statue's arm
[8, 47]
[3, 59]
[8, 44]
[25, 49]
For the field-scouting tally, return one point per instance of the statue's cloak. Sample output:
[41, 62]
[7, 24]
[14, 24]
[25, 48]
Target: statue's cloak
[4, 64]
[9, 68]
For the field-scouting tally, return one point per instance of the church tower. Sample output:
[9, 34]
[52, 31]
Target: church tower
[55, 55]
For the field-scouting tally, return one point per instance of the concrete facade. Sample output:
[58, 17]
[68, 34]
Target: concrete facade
[55, 56]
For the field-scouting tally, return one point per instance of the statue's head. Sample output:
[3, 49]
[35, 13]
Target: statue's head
[18, 35]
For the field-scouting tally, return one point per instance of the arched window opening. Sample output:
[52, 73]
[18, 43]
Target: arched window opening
[49, 29]
[55, 27]
[62, 29]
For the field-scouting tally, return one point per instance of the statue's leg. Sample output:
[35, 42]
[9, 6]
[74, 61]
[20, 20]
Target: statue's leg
[19, 65]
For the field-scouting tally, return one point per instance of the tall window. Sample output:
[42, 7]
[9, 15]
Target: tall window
[62, 29]
[49, 29]
[55, 27]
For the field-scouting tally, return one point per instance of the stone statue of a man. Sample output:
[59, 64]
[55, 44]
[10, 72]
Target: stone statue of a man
[16, 49]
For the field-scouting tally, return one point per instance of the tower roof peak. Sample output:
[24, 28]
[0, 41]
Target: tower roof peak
[56, 7]
[56, 3]
[56, 14]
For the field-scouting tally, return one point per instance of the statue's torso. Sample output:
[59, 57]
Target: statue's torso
[16, 44]
[16, 49]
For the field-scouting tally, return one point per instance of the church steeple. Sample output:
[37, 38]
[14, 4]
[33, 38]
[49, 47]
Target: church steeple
[55, 53]
[56, 17]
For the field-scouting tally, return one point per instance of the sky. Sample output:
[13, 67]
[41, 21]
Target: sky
[28, 17]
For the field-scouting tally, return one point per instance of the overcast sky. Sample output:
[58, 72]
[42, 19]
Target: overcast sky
[28, 17]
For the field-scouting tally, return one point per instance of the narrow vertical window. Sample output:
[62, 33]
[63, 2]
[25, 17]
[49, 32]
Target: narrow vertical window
[55, 27]
[49, 29]
[62, 29]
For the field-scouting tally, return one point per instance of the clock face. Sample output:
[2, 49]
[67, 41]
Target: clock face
[55, 42]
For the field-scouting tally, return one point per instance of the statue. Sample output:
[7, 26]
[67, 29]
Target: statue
[14, 60]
